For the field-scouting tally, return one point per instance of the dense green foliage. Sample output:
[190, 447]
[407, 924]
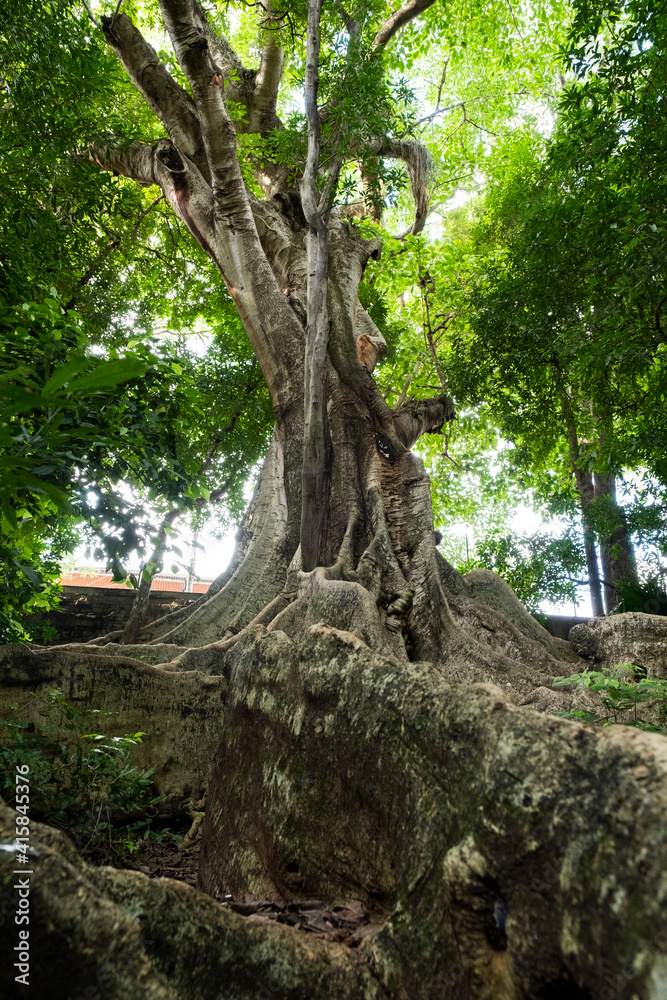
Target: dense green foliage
[565, 275]
[624, 691]
[112, 414]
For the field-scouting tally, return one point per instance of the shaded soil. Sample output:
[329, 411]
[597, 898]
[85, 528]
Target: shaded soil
[166, 860]
[348, 924]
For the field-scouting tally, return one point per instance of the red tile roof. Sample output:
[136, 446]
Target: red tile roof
[164, 581]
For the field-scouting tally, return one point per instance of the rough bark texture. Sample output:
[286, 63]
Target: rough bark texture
[180, 711]
[618, 557]
[503, 853]
[99, 932]
[510, 854]
[633, 638]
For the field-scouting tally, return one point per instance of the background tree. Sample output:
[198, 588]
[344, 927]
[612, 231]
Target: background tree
[566, 337]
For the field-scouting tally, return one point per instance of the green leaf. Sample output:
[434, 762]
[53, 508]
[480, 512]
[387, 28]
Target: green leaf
[109, 374]
[64, 374]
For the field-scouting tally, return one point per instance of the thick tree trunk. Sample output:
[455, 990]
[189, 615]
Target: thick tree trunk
[369, 747]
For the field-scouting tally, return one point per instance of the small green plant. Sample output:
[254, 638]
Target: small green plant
[81, 781]
[622, 689]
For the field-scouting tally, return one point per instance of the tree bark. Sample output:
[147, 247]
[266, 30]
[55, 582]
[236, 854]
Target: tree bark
[151, 566]
[618, 557]
[315, 482]
[500, 852]
[586, 490]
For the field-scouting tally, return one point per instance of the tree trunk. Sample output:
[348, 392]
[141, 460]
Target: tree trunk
[618, 557]
[369, 748]
[594, 585]
[151, 566]
[586, 490]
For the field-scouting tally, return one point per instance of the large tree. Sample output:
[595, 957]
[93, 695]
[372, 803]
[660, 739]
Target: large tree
[338, 683]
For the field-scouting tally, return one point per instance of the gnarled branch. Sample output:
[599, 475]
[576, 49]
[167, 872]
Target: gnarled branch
[184, 21]
[425, 416]
[137, 161]
[419, 164]
[166, 98]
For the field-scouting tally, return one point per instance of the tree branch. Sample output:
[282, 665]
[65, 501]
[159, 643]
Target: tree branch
[398, 20]
[267, 82]
[186, 25]
[419, 165]
[136, 161]
[166, 98]
[336, 160]
[223, 53]
[426, 416]
[89, 13]
[90, 273]
[314, 499]
[186, 190]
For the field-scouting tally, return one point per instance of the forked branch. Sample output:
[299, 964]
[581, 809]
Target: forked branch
[166, 98]
[183, 21]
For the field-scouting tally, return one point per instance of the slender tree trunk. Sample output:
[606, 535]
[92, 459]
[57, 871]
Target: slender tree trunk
[618, 557]
[586, 490]
[151, 566]
[315, 492]
[590, 548]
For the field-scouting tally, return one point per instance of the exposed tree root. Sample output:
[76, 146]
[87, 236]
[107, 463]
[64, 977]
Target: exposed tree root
[118, 934]
[181, 711]
[511, 854]
[505, 854]
[633, 638]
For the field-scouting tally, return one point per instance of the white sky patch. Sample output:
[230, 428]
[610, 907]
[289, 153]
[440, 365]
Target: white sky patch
[527, 521]
[207, 562]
